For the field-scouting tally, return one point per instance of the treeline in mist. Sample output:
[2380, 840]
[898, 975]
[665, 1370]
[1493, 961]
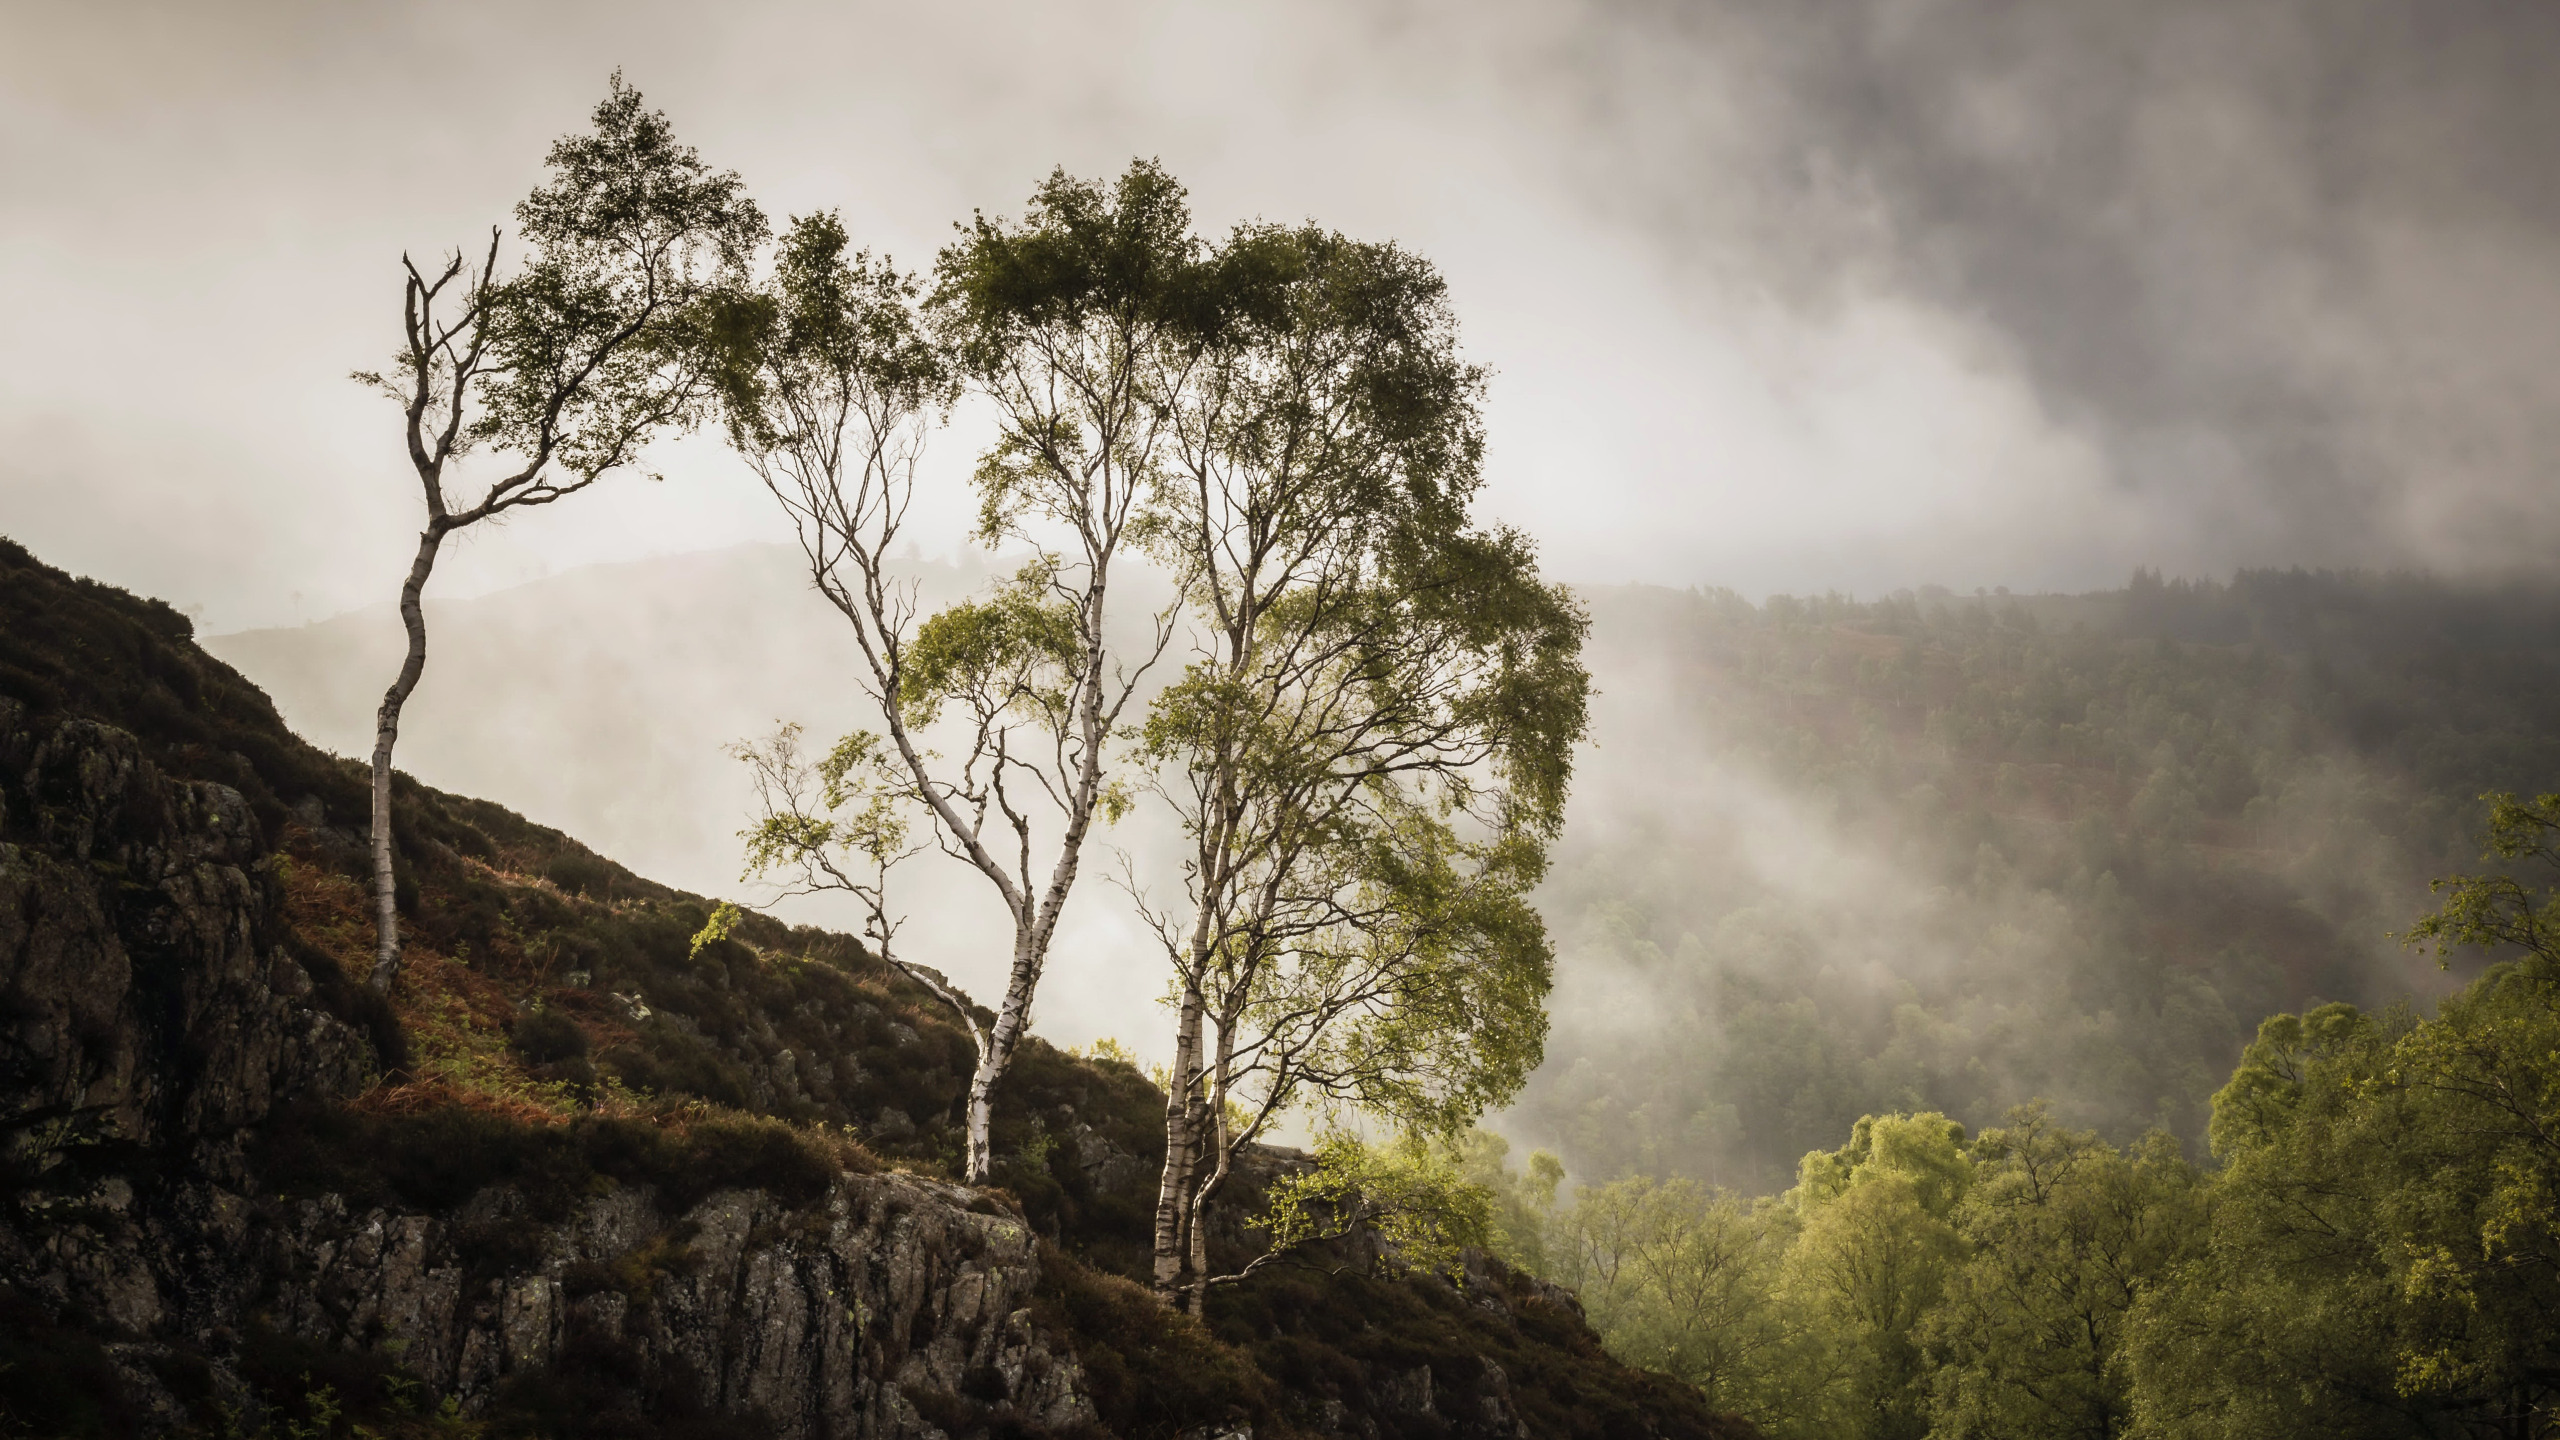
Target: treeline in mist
[1942, 853]
[2374, 1249]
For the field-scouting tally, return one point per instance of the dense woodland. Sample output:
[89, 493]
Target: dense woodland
[2349, 1228]
[2367, 1246]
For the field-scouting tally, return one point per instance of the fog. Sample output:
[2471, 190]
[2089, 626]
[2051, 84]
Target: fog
[1770, 921]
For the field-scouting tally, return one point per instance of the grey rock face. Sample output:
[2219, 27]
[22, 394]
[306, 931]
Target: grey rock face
[823, 1322]
[1106, 1166]
[147, 1012]
[144, 1001]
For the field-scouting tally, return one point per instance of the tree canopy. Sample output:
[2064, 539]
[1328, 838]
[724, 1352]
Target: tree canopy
[561, 373]
[1369, 754]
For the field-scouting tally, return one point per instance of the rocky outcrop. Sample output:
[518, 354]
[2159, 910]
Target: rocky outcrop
[885, 1304]
[150, 1022]
[834, 1320]
[142, 1002]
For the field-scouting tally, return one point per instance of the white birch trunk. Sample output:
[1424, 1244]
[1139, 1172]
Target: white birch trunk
[1211, 1125]
[1181, 1153]
[386, 732]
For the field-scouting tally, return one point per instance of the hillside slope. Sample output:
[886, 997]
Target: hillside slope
[602, 701]
[578, 1177]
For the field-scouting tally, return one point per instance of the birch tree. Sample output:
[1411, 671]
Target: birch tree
[829, 388]
[1370, 751]
[838, 825]
[557, 375]
[1072, 325]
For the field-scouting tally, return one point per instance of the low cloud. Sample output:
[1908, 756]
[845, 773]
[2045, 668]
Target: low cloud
[2291, 268]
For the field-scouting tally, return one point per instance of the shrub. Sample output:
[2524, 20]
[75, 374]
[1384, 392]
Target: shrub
[547, 1037]
[1153, 1373]
[437, 1158]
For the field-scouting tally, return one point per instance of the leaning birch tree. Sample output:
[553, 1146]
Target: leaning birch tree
[1072, 325]
[1370, 752]
[559, 374]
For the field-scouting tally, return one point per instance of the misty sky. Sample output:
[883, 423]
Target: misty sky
[1781, 296]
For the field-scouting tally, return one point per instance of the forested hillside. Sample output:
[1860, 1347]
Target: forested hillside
[1951, 853]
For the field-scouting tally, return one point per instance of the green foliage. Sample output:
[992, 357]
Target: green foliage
[1081, 250]
[827, 335]
[2064, 1234]
[1370, 756]
[1523, 1205]
[850, 806]
[723, 920]
[1431, 1005]
[2498, 912]
[2384, 1254]
[1924, 1153]
[1912, 1283]
[594, 343]
[1067, 324]
[1683, 1279]
[1019, 650]
[1876, 1245]
[1052, 316]
[2378, 1252]
[1412, 1194]
[597, 344]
